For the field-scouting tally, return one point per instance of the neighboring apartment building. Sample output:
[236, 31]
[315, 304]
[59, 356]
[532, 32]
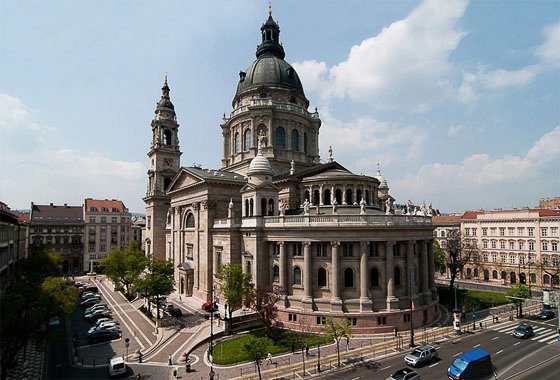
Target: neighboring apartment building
[138, 230]
[551, 203]
[108, 224]
[516, 246]
[13, 235]
[443, 224]
[58, 228]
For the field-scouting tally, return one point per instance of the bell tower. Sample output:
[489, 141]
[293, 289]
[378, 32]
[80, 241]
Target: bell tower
[163, 162]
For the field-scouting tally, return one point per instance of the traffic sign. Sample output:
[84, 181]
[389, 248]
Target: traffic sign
[127, 342]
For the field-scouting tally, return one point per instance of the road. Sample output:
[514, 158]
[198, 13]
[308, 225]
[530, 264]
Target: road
[536, 358]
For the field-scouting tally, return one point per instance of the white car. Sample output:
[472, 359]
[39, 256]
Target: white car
[101, 320]
[104, 325]
[117, 366]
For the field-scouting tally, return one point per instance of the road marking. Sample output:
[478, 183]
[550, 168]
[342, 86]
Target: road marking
[496, 337]
[517, 343]
[356, 378]
[383, 369]
[457, 354]
[499, 352]
[549, 336]
[478, 345]
[539, 329]
[433, 365]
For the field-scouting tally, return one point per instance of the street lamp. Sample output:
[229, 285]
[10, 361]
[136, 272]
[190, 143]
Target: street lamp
[411, 272]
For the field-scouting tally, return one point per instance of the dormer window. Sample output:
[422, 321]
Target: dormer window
[242, 76]
[290, 72]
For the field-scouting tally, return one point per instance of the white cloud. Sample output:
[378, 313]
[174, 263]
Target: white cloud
[362, 142]
[549, 51]
[42, 173]
[483, 181]
[406, 65]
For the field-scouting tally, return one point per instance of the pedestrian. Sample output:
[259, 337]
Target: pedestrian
[269, 358]
[306, 349]
[347, 344]
[396, 331]
[169, 360]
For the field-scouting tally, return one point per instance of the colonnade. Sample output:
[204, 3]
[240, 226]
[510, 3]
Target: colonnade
[327, 194]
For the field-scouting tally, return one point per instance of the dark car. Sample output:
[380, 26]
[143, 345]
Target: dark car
[169, 307]
[90, 302]
[176, 312]
[546, 314]
[103, 335]
[91, 288]
[404, 374]
[93, 317]
[523, 331]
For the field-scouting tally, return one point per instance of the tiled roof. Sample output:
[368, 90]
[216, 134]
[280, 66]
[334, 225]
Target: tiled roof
[447, 219]
[56, 213]
[108, 204]
[24, 216]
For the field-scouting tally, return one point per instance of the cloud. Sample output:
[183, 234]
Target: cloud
[42, 173]
[480, 180]
[362, 142]
[549, 51]
[406, 65]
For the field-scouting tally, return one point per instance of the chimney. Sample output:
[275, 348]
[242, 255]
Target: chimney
[65, 205]
[51, 204]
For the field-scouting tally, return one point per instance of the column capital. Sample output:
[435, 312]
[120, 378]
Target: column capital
[281, 243]
[335, 243]
[364, 244]
[306, 243]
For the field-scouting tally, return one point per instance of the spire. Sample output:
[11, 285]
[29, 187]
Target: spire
[165, 88]
[378, 169]
[165, 101]
[270, 32]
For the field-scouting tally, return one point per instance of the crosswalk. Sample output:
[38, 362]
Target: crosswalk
[542, 333]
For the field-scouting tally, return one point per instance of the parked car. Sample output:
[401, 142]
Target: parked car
[117, 366]
[96, 307]
[103, 335]
[523, 331]
[89, 302]
[94, 316]
[79, 284]
[88, 295]
[404, 374]
[546, 314]
[104, 325]
[101, 320]
[421, 355]
[474, 364]
[176, 312]
[91, 288]
[54, 321]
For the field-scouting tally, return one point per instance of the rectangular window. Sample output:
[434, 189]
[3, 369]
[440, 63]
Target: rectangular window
[467, 231]
[485, 257]
[521, 245]
[494, 257]
[103, 248]
[493, 244]
[503, 259]
[493, 231]
[149, 222]
[502, 245]
[553, 231]
[511, 231]
[92, 219]
[554, 246]
[322, 250]
[103, 219]
[113, 219]
[275, 249]
[545, 246]
[531, 246]
[347, 250]
[373, 251]
[485, 244]
[522, 259]
[298, 249]
[321, 320]
[406, 318]
[189, 249]
[544, 231]
[502, 231]
[511, 245]
[485, 232]
[474, 232]
[91, 247]
[396, 249]
[545, 260]
[292, 317]
[531, 231]
[381, 320]
[520, 231]
[352, 321]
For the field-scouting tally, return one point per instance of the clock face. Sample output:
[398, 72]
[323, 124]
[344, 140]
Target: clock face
[167, 161]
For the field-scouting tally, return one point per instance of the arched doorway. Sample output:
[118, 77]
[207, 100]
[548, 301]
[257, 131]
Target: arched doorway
[522, 278]
[486, 275]
[327, 197]
[512, 278]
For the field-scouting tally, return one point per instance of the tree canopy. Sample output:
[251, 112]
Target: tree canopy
[156, 282]
[257, 349]
[439, 258]
[264, 302]
[518, 294]
[234, 286]
[458, 252]
[336, 331]
[124, 266]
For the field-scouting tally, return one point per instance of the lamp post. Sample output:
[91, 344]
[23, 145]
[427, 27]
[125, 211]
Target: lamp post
[211, 359]
[410, 298]
[318, 357]
[456, 316]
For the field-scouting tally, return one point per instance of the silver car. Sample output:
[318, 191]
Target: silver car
[421, 355]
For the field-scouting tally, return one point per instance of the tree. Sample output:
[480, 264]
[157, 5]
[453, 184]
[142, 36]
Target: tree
[518, 294]
[458, 252]
[157, 282]
[439, 258]
[257, 349]
[264, 303]
[234, 286]
[29, 301]
[124, 266]
[337, 331]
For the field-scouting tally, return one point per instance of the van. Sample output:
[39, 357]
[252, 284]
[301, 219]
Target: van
[474, 364]
[117, 366]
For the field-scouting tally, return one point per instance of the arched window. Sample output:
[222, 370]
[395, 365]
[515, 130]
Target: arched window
[295, 140]
[251, 207]
[321, 277]
[442, 233]
[237, 143]
[249, 269]
[556, 279]
[367, 197]
[546, 279]
[397, 276]
[280, 138]
[348, 278]
[247, 140]
[166, 183]
[373, 277]
[297, 276]
[503, 275]
[263, 207]
[338, 196]
[349, 196]
[270, 207]
[469, 272]
[522, 278]
[512, 278]
[327, 197]
[246, 207]
[359, 195]
[315, 197]
[475, 272]
[307, 196]
[532, 278]
[305, 142]
[190, 221]
[486, 275]
[495, 274]
[275, 273]
[167, 137]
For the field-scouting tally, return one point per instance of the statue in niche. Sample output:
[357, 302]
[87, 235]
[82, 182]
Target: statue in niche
[230, 208]
[262, 140]
[335, 206]
[306, 205]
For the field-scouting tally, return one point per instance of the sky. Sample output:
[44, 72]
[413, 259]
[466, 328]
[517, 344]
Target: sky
[458, 101]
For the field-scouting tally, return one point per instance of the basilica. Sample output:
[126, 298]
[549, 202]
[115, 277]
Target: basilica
[329, 238]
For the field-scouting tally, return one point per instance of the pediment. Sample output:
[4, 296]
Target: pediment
[184, 178]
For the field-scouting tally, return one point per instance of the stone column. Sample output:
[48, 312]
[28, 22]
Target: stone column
[321, 199]
[431, 269]
[307, 273]
[392, 301]
[410, 285]
[283, 267]
[426, 291]
[336, 302]
[365, 302]
[344, 195]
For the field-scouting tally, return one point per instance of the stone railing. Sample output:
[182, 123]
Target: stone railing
[325, 220]
[277, 105]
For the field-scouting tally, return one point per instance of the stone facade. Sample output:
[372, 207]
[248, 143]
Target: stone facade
[517, 246]
[330, 238]
[13, 247]
[108, 224]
